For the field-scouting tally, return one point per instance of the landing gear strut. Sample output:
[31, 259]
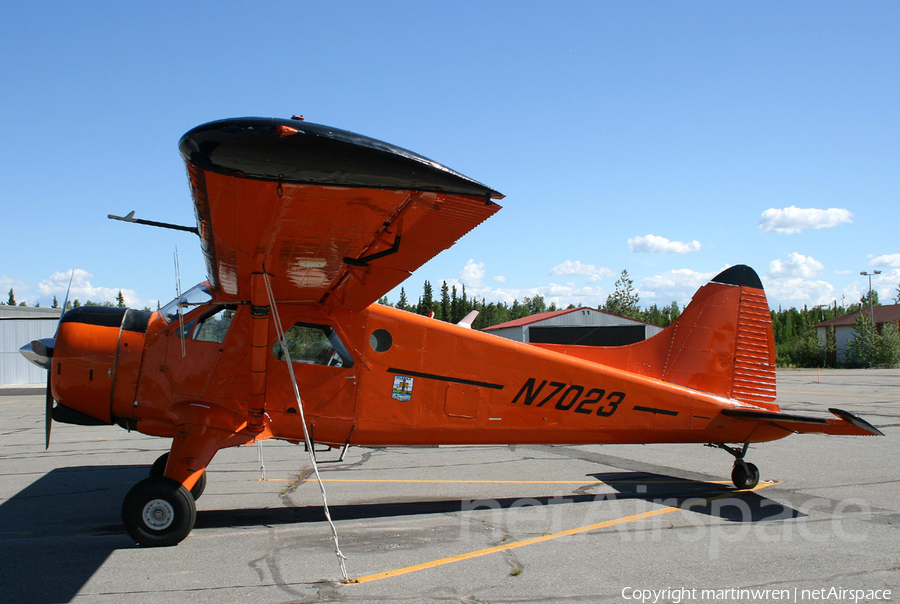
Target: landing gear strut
[744, 475]
[159, 468]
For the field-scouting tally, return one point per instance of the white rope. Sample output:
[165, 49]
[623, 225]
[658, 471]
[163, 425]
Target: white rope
[309, 445]
[262, 465]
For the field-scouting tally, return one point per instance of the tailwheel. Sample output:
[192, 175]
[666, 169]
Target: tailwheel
[159, 469]
[744, 475]
[158, 512]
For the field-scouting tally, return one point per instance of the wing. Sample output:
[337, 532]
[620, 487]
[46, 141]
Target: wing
[334, 217]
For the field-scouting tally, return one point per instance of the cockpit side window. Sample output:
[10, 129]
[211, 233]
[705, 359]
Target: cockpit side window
[315, 345]
[210, 326]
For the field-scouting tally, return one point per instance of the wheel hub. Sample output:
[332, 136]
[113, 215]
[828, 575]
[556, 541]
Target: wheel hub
[158, 514]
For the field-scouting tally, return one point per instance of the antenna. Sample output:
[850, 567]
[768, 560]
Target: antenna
[165, 225]
[178, 304]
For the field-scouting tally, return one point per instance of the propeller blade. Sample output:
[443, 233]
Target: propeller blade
[48, 414]
[48, 345]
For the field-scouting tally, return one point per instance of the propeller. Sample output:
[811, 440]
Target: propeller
[48, 414]
[40, 352]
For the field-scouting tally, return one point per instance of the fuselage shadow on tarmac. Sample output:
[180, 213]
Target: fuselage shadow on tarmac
[695, 496]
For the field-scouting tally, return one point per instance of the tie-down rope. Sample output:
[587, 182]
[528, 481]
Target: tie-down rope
[309, 445]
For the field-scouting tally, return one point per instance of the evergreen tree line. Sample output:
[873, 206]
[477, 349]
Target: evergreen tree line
[120, 302]
[453, 304]
[797, 342]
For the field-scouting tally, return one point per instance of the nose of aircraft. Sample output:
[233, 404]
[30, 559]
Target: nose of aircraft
[39, 351]
[81, 362]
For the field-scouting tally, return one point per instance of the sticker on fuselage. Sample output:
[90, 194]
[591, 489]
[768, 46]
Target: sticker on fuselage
[403, 386]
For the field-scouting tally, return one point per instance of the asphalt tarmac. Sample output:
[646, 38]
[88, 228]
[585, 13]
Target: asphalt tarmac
[655, 523]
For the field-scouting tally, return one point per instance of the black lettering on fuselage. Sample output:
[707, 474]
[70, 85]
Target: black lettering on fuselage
[557, 386]
[571, 398]
[531, 393]
[574, 388]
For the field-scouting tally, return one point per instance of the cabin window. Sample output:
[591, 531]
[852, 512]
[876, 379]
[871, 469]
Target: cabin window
[381, 340]
[209, 327]
[314, 345]
[212, 327]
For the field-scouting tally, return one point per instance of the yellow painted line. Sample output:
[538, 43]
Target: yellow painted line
[533, 540]
[428, 481]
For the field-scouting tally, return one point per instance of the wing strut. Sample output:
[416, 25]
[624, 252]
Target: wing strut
[312, 456]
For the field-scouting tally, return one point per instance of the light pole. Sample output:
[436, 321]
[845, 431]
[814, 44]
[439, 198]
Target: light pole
[871, 311]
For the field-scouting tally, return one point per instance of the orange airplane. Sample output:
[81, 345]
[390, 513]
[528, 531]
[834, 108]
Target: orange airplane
[303, 227]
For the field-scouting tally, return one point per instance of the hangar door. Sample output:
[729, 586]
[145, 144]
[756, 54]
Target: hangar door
[612, 335]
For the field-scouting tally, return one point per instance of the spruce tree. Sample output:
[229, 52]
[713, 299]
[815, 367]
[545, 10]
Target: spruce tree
[445, 302]
[624, 300]
[426, 302]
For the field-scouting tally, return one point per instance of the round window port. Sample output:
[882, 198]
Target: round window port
[381, 340]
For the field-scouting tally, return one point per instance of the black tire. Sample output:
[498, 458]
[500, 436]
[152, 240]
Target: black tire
[158, 512]
[744, 475]
[159, 466]
[159, 469]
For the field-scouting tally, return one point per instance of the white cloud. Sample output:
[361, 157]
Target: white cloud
[472, 273]
[797, 266]
[886, 260]
[7, 282]
[678, 285]
[82, 290]
[654, 244]
[792, 219]
[796, 291]
[473, 277]
[678, 279]
[576, 267]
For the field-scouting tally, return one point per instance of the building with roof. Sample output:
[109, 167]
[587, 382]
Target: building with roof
[18, 326]
[839, 331]
[585, 326]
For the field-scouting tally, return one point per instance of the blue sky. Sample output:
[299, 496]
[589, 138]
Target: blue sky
[671, 139]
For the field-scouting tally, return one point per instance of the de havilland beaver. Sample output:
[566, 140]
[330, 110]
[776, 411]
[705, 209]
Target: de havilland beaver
[303, 228]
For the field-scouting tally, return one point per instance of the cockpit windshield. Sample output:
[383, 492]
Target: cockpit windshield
[197, 295]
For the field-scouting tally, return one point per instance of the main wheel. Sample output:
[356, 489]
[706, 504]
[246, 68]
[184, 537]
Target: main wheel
[744, 475]
[158, 512]
[159, 469]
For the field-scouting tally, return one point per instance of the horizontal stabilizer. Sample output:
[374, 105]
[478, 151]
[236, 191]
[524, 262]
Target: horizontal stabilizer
[848, 424]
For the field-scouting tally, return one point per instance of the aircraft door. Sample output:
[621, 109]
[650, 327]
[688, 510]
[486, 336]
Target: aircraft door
[194, 347]
[324, 370]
